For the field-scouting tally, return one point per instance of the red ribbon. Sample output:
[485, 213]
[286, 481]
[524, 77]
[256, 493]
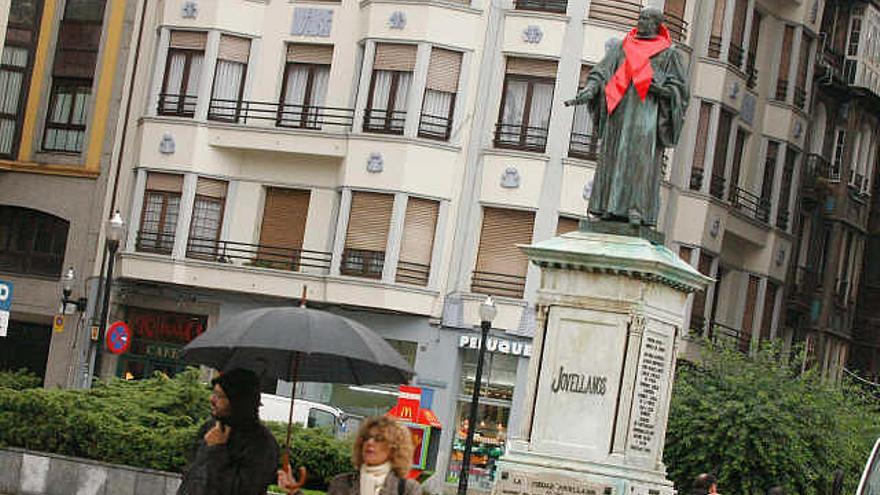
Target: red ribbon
[636, 67]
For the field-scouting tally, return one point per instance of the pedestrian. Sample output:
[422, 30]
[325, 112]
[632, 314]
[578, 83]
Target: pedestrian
[382, 456]
[234, 454]
[705, 484]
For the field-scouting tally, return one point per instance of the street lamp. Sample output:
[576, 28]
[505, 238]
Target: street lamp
[67, 283]
[115, 231]
[487, 314]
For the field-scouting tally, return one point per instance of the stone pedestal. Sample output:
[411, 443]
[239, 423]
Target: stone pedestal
[611, 309]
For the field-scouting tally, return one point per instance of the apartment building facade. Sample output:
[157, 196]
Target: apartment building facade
[387, 165]
[61, 69]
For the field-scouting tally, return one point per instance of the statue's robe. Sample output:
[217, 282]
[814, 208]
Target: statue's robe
[634, 136]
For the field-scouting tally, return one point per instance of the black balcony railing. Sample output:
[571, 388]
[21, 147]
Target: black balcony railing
[177, 105]
[696, 179]
[435, 127]
[751, 71]
[498, 284]
[757, 207]
[781, 89]
[716, 186]
[384, 121]
[584, 146]
[257, 255]
[362, 263]
[735, 55]
[800, 97]
[782, 218]
[413, 273]
[726, 335]
[520, 137]
[621, 12]
[150, 241]
[558, 6]
[714, 46]
[281, 114]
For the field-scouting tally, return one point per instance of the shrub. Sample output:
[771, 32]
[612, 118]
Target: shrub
[323, 455]
[19, 380]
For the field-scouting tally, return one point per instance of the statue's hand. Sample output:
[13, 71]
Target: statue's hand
[571, 102]
[659, 91]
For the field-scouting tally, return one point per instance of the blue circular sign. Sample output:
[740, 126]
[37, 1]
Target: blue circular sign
[118, 338]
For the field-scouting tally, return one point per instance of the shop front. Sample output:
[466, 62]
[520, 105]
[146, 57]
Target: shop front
[505, 358]
[158, 339]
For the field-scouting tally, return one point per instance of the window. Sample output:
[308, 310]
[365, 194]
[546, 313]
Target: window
[15, 71]
[584, 143]
[525, 104]
[283, 229]
[76, 57]
[673, 15]
[735, 49]
[367, 235]
[784, 64]
[567, 224]
[207, 218]
[160, 212]
[440, 90]
[619, 12]
[855, 32]
[768, 180]
[321, 419]
[738, 149]
[557, 6]
[305, 86]
[800, 88]
[389, 88]
[769, 310]
[785, 190]
[183, 70]
[417, 245]
[229, 76]
[751, 71]
[714, 50]
[700, 144]
[837, 155]
[748, 325]
[698, 306]
[501, 266]
[719, 168]
[32, 242]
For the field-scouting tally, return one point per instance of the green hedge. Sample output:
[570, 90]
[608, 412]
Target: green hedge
[147, 423]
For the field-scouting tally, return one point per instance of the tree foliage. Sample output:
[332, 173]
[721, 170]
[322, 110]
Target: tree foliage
[755, 422]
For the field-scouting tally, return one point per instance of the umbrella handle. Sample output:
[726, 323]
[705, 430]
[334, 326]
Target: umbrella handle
[294, 372]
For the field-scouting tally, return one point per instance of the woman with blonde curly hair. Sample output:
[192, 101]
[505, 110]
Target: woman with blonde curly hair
[382, 455]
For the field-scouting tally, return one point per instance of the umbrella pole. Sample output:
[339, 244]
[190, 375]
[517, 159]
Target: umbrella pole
[294, 372]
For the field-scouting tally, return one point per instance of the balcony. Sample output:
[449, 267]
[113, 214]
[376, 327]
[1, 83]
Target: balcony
[435, 127]
[516, 136]
[151, 241]
[384, 121]
[257, 255]
[716, 186]
[583, 146]
[498, 284]
[556, 6]
[280, 114]
[362, 263]
[721, 334]
[753, 205]
[177, 105]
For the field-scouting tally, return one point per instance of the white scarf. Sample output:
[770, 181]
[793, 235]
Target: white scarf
[373, 478]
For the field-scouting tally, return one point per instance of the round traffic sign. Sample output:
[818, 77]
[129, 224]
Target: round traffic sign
[118, 338]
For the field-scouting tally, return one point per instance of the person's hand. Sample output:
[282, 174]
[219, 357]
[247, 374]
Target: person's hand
[287, 482]
[218, 435]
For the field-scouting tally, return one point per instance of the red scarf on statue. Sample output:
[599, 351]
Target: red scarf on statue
[636, 67]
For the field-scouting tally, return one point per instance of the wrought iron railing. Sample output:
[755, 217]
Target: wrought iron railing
[384, 121]
[781, 89]
[584, 146]
[498, 284]
[735, 55]
[151, 241]
[558, 6]
[257, 255]
[751, 71]
[435, 127]
[522, 137]
[362, 263]
[177, 105]
[782, 218]
[800, 97]
[281, 114]
[714, 50]
[757, 207]
[716, 186]
[696, 182]
[413, 273]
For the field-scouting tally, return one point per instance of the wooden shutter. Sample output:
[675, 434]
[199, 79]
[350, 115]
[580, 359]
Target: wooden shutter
[189, 40]
[722, 144]
[718, 18]
[418, 231]
[769, 306]
[585, 72]
[157, 181]
[566, 225]
[702, 135]
[785, 59]
[739, 23]
[804, 61]
[309, 54]
[392, 56]
[674, 8]
[749, 313]
[444, 70]
[211, 188]
[369, 221]
[284, 217]
[234, 49]
[531, 67]
[502, 230]
[698, 307]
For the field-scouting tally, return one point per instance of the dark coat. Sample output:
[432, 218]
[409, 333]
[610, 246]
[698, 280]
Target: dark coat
[246, 465]
[350, 484]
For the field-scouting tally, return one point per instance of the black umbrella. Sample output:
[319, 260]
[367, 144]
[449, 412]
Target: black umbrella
[299, 344]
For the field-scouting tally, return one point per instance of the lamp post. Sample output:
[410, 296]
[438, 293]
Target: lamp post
[67, 283]
[487, 314]
[115, 230]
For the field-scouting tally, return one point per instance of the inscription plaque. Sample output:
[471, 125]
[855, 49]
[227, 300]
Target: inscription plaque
[523, 483]
[650, 391]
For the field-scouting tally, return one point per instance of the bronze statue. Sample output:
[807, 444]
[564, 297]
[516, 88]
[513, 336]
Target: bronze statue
[638, 95]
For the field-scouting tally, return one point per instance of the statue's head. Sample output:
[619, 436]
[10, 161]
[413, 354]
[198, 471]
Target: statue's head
[649, 22]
